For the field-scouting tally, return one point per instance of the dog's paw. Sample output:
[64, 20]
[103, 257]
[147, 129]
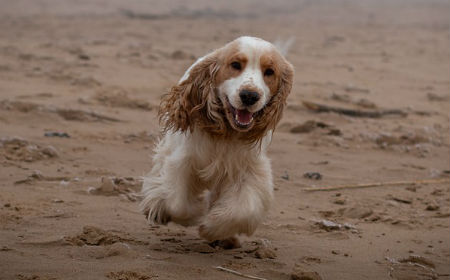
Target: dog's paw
[227, 244]
[156, 213]
[204, 233]
[217, 238]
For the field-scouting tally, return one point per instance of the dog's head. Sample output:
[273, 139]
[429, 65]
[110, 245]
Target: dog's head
[238, 90]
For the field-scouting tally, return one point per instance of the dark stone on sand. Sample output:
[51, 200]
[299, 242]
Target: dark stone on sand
[432, 207]
[313, 175]
[57, 134]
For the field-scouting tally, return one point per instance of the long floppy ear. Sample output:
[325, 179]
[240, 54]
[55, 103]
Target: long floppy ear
[274, 111]
[187, 102]
[286, 80]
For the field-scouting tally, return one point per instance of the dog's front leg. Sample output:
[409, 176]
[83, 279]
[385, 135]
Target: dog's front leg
[238, 208]
[171, 192]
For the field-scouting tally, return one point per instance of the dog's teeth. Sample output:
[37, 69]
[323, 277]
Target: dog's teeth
[244, 123]
[240, 123]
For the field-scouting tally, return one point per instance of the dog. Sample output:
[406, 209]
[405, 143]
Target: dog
[210, 166]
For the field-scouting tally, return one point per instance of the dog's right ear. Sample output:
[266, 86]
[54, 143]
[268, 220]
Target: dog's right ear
[187, 101]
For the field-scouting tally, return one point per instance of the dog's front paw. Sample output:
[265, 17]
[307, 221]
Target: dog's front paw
[218, 239]
[227, 244]
[206, 233]
[156, 212]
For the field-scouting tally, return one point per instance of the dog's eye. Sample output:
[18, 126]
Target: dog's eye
[269, 72]
[236, 65]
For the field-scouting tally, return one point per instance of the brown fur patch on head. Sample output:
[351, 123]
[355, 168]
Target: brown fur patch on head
[227, 56]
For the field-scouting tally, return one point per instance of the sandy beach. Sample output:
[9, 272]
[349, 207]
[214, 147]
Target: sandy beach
[80, 86]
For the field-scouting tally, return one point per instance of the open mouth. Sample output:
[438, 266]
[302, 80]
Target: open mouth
[241, 118]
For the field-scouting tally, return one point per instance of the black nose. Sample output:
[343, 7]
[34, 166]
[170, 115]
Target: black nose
[248, 97]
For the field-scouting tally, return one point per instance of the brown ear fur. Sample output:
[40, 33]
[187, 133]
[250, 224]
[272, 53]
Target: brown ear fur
[273, 111]
[190, 102]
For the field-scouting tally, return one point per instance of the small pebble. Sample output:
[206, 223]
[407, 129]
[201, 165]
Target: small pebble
[57, 134]
[285, 176]
[83, 56]
[313, 175]
[432, 207]
[339, 201]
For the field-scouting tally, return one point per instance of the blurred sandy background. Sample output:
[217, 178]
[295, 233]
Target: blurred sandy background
[80, 84]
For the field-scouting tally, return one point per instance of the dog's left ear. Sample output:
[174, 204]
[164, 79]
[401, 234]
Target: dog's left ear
[274, 110]
[187, 101]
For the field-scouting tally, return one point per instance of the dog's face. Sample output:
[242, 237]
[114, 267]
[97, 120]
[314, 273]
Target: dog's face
[247, 79]
[241, 87]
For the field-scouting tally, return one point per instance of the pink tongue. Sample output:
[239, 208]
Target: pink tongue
[244, 116]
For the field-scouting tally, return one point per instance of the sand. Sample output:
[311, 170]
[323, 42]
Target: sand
[80, 84]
